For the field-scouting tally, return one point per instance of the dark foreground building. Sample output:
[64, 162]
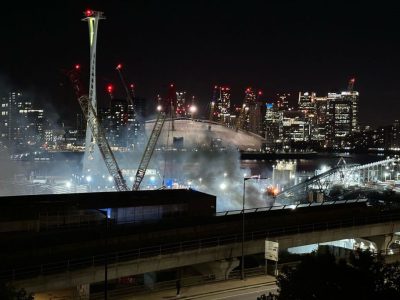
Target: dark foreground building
[38, 212]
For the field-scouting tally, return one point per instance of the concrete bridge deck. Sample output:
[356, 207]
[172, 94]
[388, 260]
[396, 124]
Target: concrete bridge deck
[135, 250]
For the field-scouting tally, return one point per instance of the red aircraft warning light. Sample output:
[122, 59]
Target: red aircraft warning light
[119, 67]
[110, 88]
[77, 67]
[88, 13]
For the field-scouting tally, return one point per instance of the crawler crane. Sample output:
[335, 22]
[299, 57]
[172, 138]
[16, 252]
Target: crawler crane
[98, 135]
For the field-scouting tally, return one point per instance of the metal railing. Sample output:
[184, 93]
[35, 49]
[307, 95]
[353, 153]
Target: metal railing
[172, 248]
[289, 206]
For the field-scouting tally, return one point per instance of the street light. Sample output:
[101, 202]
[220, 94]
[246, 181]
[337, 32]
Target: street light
[243, 231]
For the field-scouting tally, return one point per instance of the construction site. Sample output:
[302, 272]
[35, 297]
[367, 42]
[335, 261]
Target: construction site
[176, 152]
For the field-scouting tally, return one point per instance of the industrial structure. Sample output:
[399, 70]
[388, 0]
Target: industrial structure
[98, 136]
[92, 160]
[343, 179]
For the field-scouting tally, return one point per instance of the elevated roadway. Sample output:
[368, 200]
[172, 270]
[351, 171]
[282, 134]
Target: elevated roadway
[71, 256]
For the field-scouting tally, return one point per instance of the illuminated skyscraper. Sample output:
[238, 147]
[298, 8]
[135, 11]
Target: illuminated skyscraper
[20, 123]
[272, 121]
[180, 110]
[225, 100]
[339, 120]
[321, 109]
[255, 117]
[249, 101]
[353, 97]
[220, 106]
[307, 106]
[283, 103]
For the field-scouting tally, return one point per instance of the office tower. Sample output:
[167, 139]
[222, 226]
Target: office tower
[272, 122]
[180, 109]
[339, 120]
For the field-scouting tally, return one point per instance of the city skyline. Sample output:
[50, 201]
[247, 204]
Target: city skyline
[279, 48]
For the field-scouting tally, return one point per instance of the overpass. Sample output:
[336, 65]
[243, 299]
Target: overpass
[211, 242]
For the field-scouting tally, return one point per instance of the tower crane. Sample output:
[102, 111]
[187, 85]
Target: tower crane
[351, 84]
[151, 143]
[98, 134]
[129, 94]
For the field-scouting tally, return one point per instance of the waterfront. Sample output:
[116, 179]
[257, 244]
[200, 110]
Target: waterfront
[218, 173]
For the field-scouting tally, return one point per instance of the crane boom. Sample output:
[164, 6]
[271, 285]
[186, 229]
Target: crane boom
[129, 95]
[148, 152]
[98, 134]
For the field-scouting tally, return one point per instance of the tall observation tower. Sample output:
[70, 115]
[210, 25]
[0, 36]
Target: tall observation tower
[92, 162]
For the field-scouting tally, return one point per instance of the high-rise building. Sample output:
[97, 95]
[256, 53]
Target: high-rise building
[220, 106]
[255, 117]
[180, 109]
[282, 102]
[307, 102]
[294, 127]
[20, 123]
[307, 106]
[225, 100]
[272, 124]
[339, 117]
[353, 97]
[120, 124]
[395, 135]
[321, 109]
[250, 98]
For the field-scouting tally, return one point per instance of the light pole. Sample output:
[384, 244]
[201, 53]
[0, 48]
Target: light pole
[244, 192]
[243, 227]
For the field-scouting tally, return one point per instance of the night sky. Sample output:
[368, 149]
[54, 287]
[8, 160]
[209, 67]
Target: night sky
[288, 46]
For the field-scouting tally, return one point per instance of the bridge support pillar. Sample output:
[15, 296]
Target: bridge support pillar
[220, 268]
[82, 292]
[382, 242]
[150, 279]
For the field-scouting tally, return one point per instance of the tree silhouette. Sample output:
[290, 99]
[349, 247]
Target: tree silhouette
[321, 276]
[8, 292]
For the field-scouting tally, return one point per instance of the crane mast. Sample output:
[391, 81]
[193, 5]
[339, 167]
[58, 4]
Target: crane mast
[148, 152]
[98, 134]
